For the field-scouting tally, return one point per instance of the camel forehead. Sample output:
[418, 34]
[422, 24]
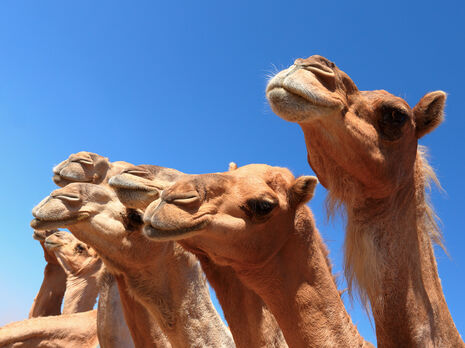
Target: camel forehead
[378, 97]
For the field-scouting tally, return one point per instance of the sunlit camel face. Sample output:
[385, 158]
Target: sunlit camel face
[241, 212]
[74, 255]
[366, 137]
[69, 205]
[81, 167]
[96, 217]
[138, 186]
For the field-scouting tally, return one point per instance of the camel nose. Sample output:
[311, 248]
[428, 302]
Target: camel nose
[36, 209]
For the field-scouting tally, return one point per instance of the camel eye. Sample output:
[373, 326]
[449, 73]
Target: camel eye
[394, 117]
[80, 248]
[391, 122]
[260, 207]
[83, 161]
[68, 197]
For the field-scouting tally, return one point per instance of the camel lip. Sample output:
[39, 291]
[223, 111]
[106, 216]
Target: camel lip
[157, 234]
[275, 92]
[118, 183]
[42, 224]
[60, 177]
[50, 245]
[40, 236]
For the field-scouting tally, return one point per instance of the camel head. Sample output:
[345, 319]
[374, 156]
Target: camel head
[81, 167]
[40, 237]
[241, 212]
[95, 216]
[357, 141]
[73, 255]
[138, 186]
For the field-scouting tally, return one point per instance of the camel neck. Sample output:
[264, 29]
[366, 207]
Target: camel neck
[82, 290]
[298, 287]
[144, 331]
[174, 291]
[50, 296]
[250, 321]
[390, 254]
[111, 327]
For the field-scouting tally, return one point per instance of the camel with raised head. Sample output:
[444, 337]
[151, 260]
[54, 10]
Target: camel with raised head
[163, 277]
[88, 167]
[250, 321]
[363, 146]
[82, 267]
[50, 296]
[77, 330]
[92, 168]
[254, 220]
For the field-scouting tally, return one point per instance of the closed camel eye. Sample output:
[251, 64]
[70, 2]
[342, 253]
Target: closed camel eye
[83, 161]
[68, 197]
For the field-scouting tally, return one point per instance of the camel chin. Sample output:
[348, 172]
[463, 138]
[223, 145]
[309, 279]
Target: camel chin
[41, 225]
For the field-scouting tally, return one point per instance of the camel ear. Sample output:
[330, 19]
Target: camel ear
[232, 166]
[302, 190]
[429, 112]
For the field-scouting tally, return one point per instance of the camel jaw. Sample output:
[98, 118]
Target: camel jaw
[178, 234]
[42, 224]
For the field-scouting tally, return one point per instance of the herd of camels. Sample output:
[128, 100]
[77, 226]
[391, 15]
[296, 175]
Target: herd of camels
[144, 238]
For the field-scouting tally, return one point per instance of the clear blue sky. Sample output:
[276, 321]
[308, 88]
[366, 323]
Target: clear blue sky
[181, 84]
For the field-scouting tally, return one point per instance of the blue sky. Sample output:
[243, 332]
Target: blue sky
[181, 84]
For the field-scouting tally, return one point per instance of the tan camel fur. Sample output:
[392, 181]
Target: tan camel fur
[50, 296]
[250, 321]
[163, 277]
[112, 330]
[82, 267]
[90, 167]
[145, 331]
[363, 146]
[254, 219]
[77, 330]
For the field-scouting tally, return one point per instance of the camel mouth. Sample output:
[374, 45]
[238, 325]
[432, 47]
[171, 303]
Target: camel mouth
[117, 182]
[279, 93]
[41, 235]
[174, 234]
[61, 179]
[46, 224]
[51, 246]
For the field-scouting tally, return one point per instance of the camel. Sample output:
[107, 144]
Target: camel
[82, 267]
[251, 323]
[77, 330]
[50, 296]
[363, 146]
[254, 220]
[164, 278]
[86, 166]
[90, 167]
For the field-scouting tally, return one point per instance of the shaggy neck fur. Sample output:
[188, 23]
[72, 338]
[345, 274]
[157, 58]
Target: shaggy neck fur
[298, 287]
[250, 321]
[389, 256]
[78, 330]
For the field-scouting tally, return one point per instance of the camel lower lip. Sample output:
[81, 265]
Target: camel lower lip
[41, 225]
[162, 235]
